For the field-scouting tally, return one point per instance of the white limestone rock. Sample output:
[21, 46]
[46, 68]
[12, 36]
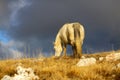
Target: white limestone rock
[22, 74]
[113, 57]
[86, 62]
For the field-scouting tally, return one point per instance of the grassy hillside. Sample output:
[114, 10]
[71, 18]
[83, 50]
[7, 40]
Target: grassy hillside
[64, 68]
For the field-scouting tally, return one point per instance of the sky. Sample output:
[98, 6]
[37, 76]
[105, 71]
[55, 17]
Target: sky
[29, 27]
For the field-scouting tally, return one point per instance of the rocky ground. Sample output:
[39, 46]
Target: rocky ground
[99, 66]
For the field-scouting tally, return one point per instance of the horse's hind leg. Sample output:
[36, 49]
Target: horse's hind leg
[74, 51]
[79, 52]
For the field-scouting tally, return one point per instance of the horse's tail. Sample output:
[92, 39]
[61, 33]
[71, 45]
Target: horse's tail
[78, 44]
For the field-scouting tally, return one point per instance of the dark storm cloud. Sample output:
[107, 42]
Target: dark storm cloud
[39, 23]
[4, 13]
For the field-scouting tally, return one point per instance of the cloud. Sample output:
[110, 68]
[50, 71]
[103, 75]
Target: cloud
[15, 6]
[36, 23]
[9, 10]
[43, 19]
[17, 50]
[7, 50]
[4, 14]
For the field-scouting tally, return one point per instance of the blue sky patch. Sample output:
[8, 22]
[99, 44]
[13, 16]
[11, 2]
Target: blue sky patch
[3, 37]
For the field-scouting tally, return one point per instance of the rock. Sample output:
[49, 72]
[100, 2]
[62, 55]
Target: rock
[22, 74]
[113, 57]
[101, 58]
[83, 57]
[6, 77]
[86, 62]
[118, 65]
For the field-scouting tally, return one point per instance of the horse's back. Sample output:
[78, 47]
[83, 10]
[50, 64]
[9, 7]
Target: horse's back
[69, 32]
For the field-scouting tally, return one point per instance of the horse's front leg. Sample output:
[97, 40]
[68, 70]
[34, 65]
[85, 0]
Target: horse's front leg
[64, 50]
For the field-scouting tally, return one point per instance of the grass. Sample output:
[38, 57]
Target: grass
[64, 68]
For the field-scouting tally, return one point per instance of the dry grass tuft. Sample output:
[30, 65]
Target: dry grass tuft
[64, 68]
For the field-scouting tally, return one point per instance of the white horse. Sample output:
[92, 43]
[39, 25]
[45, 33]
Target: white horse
[72, 34]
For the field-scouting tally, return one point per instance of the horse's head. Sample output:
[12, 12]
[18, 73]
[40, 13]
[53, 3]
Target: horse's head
[58, 49]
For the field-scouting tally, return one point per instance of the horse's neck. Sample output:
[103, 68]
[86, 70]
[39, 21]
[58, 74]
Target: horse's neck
[58, 40]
